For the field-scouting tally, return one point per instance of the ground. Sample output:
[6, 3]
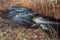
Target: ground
[12, 31]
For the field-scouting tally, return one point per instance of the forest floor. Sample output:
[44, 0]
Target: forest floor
[12, 31]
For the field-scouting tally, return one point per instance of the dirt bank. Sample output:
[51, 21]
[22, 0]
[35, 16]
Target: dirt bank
[44, 8]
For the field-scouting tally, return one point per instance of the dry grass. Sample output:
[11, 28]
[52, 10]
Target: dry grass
[44, 8]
